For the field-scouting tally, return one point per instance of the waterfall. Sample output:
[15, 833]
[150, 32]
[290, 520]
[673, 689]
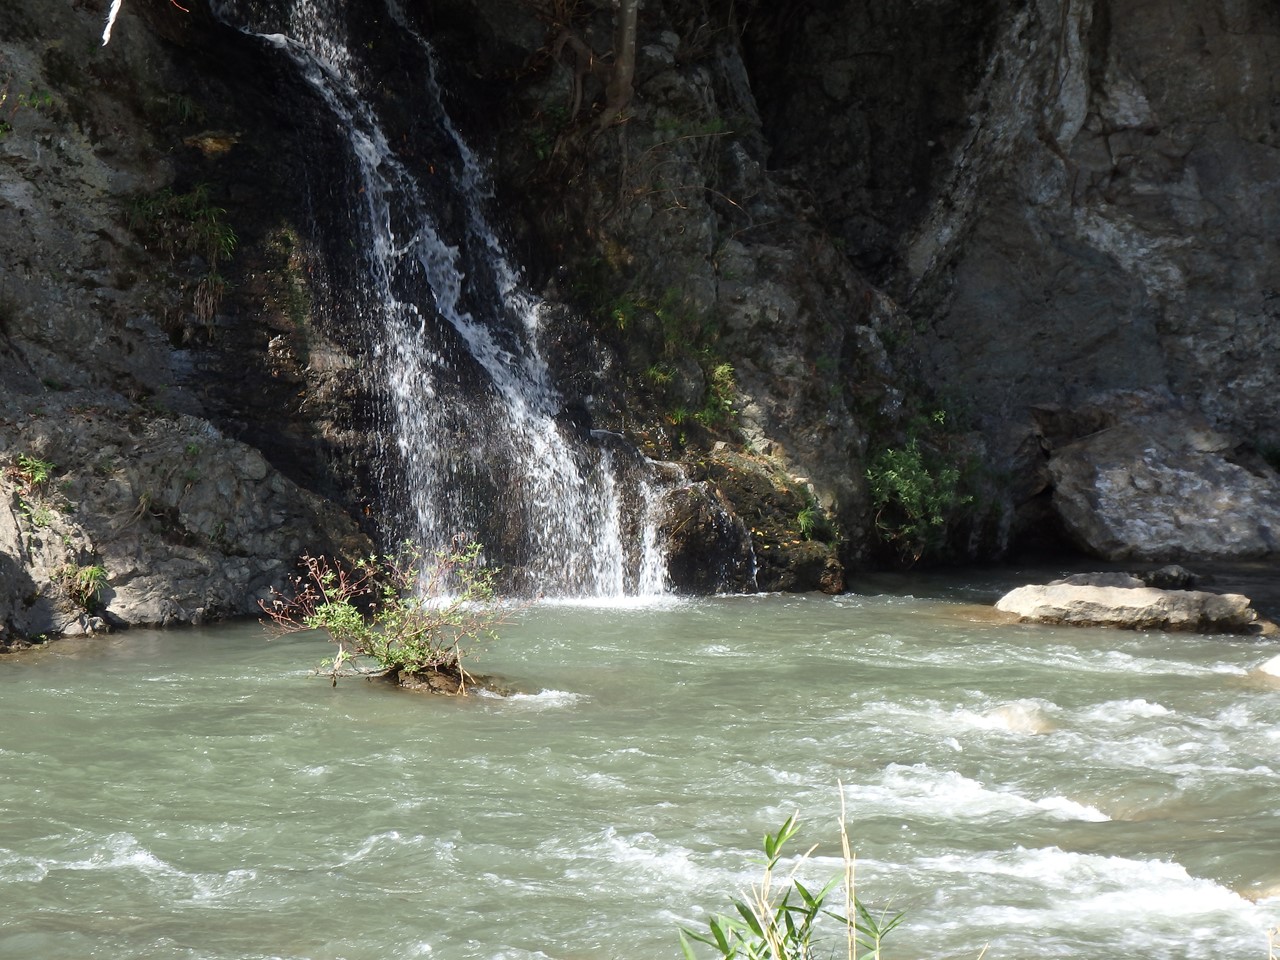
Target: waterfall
[476, 441]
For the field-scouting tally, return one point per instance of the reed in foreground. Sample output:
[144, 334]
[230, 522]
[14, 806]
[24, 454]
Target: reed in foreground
[779, 920]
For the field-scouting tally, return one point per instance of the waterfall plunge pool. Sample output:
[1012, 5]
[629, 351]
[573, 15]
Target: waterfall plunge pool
[1049, 792]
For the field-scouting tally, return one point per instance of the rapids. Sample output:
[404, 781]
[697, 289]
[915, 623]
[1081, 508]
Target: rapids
[1050, 792]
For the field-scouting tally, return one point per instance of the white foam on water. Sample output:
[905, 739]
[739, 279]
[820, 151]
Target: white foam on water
[15, 868]
[1145, 753]
[1068, 809]
[371, 843]
[1093, 660]
[947, 724]
[1116, 660]
[662, 602]
[648, 864]
[545, 699]
[1237, 717]
[604, 781]
[1121, 711]
[1230, 669]
[1137, 908]
[123, 853]
[219, 887]
[923, 792]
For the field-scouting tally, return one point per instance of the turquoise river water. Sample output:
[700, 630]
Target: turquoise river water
[1044, 792]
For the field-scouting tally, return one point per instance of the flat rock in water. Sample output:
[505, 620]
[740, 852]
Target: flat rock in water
[1132, 607]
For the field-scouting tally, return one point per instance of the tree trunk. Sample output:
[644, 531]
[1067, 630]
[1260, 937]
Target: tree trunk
[618, 93]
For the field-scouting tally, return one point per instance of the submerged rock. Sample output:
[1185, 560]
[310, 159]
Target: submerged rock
[1130, 605]
[1271, 668]
[447, 682]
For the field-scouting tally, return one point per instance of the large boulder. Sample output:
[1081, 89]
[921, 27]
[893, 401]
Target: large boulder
[1154, 481]
[134, 519]
[1118, 600]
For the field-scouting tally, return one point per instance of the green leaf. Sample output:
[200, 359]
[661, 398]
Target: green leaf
[753, 922]
[809, 899]
[722, 938]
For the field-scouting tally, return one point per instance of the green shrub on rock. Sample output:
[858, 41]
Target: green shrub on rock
[412, 614]
[85, 585]
[917, 492]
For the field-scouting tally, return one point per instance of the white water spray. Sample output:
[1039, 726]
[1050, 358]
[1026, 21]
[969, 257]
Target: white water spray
[480, 434]
[111, 20]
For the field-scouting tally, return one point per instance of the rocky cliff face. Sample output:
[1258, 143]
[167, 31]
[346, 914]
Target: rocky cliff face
[137, 397]
[814, 226]
[1068, 197]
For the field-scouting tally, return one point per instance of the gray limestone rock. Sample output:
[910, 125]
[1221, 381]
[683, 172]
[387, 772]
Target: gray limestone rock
[1086, 203]
[1157, 483]
[185, 524]
[1137, 608]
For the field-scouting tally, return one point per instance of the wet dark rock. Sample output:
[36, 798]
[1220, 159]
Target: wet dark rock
[1170, 577]
[708, 547]
[784, 523]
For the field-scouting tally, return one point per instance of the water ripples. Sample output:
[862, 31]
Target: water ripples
[198, 795]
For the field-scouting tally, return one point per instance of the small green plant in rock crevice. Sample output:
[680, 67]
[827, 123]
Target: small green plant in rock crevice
[178, 223]
[37, 101]
[807, 520]
[85, 584]
[410, 613]
[34, 473]
[721, 389]
[188, 223]
[32, 476]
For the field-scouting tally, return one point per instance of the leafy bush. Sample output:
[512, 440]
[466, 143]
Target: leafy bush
[721, 387]
[916, 492]
[410, 613]
[774, 924]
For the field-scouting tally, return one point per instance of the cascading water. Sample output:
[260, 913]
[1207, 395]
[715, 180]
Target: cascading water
[477, 438]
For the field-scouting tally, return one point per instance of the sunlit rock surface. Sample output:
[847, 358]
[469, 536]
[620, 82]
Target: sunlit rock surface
[1154, 481]
[1126, 602]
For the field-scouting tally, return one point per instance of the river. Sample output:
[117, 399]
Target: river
[1049, 792]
